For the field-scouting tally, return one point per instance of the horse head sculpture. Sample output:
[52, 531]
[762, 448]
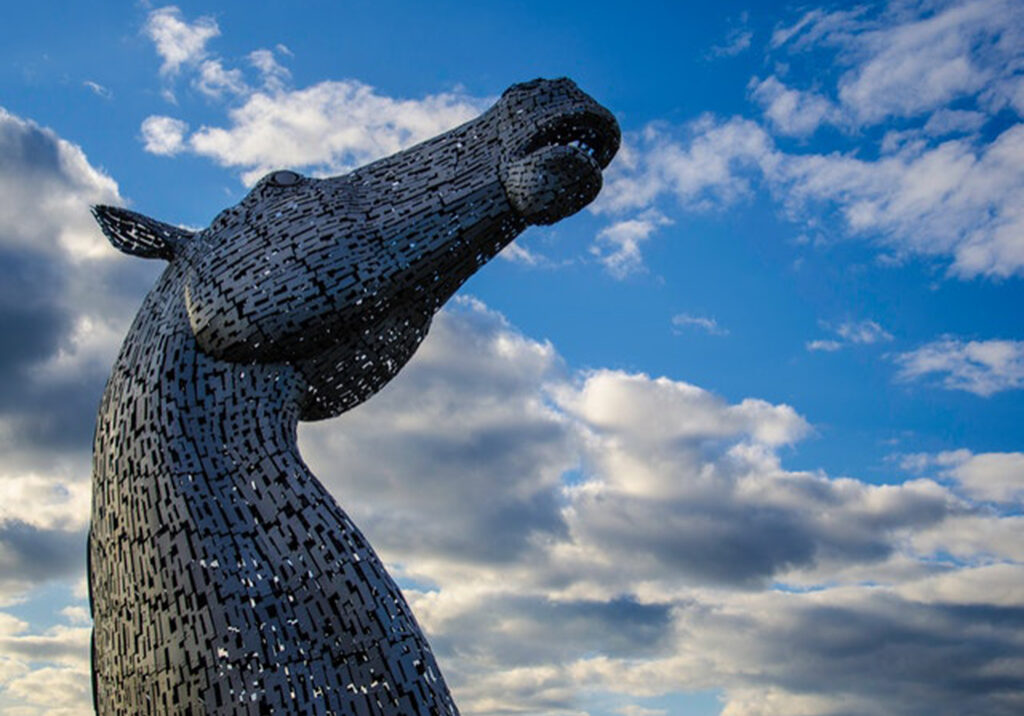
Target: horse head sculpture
[223, 578]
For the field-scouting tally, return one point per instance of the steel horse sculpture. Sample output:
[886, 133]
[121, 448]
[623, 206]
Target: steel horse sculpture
[224, 579]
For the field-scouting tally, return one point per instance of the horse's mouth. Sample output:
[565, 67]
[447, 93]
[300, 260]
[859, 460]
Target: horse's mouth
[593, 133]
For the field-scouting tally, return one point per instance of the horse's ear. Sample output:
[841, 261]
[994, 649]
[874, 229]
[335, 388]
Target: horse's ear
[139, 235]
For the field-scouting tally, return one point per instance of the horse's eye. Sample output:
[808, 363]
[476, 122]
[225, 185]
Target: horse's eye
[284, 178]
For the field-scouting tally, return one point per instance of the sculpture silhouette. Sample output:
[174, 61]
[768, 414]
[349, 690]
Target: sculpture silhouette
[224, 579]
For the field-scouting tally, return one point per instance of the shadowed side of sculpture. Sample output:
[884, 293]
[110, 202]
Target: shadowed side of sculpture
[223, 578]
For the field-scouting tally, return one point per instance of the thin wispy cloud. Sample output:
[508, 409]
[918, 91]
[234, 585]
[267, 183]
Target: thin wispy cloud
[850, 333]
[682, 321]
[97, 89]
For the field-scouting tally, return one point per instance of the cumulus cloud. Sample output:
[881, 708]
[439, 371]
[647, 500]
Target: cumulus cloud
[215, 80]
[469, 433]
[48, 184]
[980, 367]
[994, 476]
[331, 126]
[790, 111]
[163, 135]
[562, 534]
[708, 166]
[68, 297]
[177, 41]
[328, 127]
[275, 75]
[44, 674]
[644, 537]
[618, 246]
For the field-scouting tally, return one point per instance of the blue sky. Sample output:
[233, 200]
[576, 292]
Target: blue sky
[743, 437]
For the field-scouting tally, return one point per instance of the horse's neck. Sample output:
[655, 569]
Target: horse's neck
[187, 429]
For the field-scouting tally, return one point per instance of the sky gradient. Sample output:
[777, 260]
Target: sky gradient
[744, 437]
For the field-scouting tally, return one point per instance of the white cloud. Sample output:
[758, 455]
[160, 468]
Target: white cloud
[954, 199]
[48, 184]
[817, 26]
[994, 476]
[925, 63]
[97, 89]
[864, 332]
[519, 254]
[54, 501]
[980, 367]
[178, 42]
[736, 41]
[214, 80]
[824, 344]
[275, 76]
[710, 325]
[44, 674]
[163, 135]
[951, 121]
[709, 167]
[906, 59]
[618, 246]
[328, 127]
[938, 187]
[995, 584]
[790, 111]
[974, 537]
[957, 199]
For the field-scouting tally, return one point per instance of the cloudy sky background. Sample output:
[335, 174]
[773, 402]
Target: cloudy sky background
[742, 438]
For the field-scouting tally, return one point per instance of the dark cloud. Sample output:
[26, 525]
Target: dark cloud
[30, 152]
[732, 540]
[32, 554]
[63, 302]
[525, 630]
[457, 458]
[32, 320]
[893, 656]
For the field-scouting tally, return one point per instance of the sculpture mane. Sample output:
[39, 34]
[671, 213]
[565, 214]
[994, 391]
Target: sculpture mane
[224, 579]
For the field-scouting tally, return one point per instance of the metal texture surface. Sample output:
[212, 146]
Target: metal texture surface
[224, 579]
